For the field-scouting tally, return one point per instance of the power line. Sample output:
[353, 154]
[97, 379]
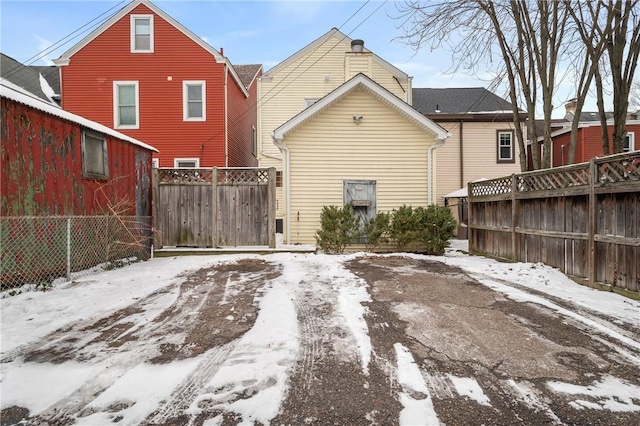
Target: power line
[66, 39]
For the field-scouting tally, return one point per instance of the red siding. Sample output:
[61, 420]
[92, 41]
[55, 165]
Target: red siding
[242, 117]
[589, 144]
[87, 89]
[42, 168]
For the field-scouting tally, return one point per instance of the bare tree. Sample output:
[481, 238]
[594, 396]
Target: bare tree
[615, 24]
[523, 41]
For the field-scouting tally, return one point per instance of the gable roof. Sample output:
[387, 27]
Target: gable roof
[25, 77]
[334, 32]
[363, 82]
[123, 12]
[247, 73]
[466, 100]
[17, 94]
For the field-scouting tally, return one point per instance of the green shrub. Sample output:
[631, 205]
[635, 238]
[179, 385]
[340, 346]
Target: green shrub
[376, 230]
[437, 227]
[338, 228]
[404, 228]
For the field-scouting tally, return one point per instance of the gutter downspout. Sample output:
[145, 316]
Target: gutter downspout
[287, 188]
[430, 177]
[461, 153]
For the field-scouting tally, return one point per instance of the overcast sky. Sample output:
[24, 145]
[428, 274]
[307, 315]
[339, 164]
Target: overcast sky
[265, 32]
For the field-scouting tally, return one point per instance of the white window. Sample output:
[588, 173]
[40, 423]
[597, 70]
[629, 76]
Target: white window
[155, 163]
[505, 146]
[94, 156]
[141, 33]
[186, 163]
[310, 101]
[194, 99]
[629, 143]
[126, 113]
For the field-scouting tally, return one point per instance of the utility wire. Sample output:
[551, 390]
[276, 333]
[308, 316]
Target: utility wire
[92, 24]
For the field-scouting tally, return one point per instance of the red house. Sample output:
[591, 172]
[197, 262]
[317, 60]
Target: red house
[589, 142]
[144, 74]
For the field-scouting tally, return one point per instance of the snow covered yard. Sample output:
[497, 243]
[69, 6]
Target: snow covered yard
[316, 339]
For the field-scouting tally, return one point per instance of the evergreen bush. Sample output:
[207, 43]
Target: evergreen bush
[338, 227]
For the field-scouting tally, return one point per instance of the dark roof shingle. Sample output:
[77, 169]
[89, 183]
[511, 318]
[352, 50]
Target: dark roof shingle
[21, 75]
[247, 73]
[458, 101]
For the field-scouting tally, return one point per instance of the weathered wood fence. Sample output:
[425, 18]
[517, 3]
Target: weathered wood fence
[583, 219]
[214, 207]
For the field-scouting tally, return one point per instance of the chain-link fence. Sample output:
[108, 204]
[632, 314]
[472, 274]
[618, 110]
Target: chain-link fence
[38, 250]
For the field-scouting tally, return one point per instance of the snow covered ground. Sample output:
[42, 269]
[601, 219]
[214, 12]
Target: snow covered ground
[263, 356]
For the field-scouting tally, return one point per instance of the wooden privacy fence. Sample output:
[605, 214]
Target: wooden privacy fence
[214, 207]
[583, 219]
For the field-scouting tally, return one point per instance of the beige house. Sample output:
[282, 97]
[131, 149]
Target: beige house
[307, 76]
[360, 145]
[482, 142]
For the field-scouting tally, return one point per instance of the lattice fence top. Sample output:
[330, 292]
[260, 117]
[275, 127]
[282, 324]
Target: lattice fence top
[491, 187]
[619, 169]
[556, 179]
[611, 170]
[243, 176]
[224, 176]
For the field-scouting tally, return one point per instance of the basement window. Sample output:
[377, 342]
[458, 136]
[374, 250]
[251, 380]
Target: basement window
[94, 156]
[628, 144]
[186, 163]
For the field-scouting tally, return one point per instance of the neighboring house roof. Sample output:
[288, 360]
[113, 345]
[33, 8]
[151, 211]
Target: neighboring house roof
[468, 100]
[362, 81]
[26, 77]
[582, 125]
[18, 94]
[51, 73]
[334, 32]
[248, 73]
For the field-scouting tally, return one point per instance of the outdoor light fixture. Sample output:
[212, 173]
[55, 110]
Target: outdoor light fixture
[357, 119]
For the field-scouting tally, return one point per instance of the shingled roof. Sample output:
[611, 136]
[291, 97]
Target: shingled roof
[459, 101]
[51, 73]
[247, 73]
[23, 76]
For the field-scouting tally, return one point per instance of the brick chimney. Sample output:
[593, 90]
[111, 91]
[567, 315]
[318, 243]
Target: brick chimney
[570, 108]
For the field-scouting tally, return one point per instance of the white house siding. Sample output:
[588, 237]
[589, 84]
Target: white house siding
[330, 148]
[479, 156]
[282, 95]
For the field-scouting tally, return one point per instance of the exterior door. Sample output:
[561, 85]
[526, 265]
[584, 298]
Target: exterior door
[361, 195]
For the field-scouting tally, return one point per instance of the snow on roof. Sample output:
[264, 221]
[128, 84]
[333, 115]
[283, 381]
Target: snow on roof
[17, 94]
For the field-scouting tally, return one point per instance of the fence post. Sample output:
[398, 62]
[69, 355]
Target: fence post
[214, 207]
[591, 226]
[271, 215]
[68, 249]
[514, 217]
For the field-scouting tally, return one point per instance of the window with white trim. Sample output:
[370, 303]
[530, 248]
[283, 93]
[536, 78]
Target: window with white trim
[126, 113]
[186, 163]
[94, 156]
[629, 143]
[141, 33]
[505, 146]
[194, 100]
